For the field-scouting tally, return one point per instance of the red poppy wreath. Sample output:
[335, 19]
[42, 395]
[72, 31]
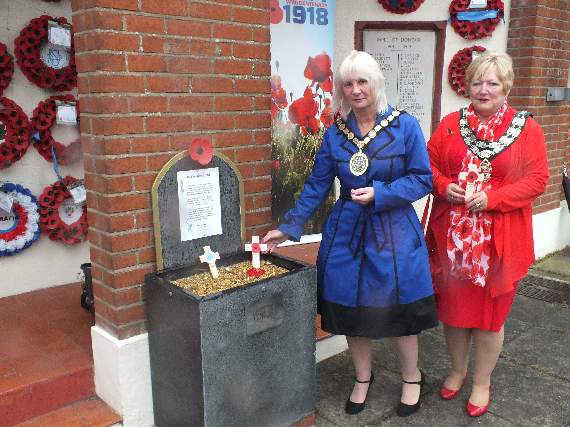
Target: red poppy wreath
[457, 68]
[401, 6]
[32, 50]
[14, 132]
[6, 67]
[41, 123]
[60, 218]
[476, 29]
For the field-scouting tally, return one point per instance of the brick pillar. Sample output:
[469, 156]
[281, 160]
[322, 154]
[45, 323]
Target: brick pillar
[539, 42]
[152, 75]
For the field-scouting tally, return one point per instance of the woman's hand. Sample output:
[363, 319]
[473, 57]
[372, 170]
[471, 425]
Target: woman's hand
[477, 202]
[362, 196]
[273, 238]
[454, 194]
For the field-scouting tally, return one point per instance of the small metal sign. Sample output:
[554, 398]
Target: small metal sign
[264, 314]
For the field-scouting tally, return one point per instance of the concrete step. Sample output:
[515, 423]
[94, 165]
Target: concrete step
[91, 412]
[45, 353]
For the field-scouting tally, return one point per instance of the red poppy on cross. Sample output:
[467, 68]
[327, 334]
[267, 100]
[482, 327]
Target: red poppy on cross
[255, 248]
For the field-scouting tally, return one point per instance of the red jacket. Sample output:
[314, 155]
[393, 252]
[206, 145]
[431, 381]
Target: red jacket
[509, 204]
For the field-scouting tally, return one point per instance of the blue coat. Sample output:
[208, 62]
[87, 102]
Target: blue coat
[370, 256]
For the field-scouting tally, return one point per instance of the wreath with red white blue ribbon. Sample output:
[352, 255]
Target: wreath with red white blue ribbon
[14, 132]
[457, 68]
[6, 67]
[52, 202]
[33, 39]
[20, 227]
[42, 121]
[401, 6]
[472, 24]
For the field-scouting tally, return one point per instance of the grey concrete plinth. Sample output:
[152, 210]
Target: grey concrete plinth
[243, 357]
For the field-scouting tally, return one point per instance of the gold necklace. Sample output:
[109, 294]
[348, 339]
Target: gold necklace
[359, 162]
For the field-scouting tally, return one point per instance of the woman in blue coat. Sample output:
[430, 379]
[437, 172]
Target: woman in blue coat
[373, 271]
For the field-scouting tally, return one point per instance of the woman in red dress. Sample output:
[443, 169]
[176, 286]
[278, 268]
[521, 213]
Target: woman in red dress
[489, 164]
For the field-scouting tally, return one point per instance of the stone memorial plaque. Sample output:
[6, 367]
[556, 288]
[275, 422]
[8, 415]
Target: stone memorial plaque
[407, 60]
[264, 314]
[173, 249]
[206, 349]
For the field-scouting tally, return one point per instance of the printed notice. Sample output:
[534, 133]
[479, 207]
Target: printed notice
[199, 203]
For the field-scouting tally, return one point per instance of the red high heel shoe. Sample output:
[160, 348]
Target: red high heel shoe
[477, 411]
[447, 394]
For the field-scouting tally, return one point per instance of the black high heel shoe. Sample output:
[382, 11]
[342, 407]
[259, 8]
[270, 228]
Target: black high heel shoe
[354, 408]
[404, 410]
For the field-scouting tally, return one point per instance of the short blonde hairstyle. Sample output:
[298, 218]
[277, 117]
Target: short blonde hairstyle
[500, 63]
[359, 65]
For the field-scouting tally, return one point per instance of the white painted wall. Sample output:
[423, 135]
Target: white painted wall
[349, 11]
[46, 263]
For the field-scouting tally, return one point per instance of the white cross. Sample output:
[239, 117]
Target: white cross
[255, 248]
[210, 257]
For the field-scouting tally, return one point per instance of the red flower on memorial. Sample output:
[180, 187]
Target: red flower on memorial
[318, 69]
[302, 112]
[6, 67]
[327, 115]
[201, 151]
[255, 272]
[276, 13]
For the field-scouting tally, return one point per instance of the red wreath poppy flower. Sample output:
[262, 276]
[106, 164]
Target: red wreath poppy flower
[255, 272]
[275, 164]
[276, 13]
[302, 112]
[201, 151]
[318, 69]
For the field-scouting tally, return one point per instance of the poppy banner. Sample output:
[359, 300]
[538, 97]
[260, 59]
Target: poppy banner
[301, 92]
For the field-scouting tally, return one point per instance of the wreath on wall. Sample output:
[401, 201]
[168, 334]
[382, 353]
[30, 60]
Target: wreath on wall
[401, 6]
[14, 132]
[458, 67]
[43, 118]
[6, 67]
[43, 64]
[475, 29]
[60, 218]
[24, 229]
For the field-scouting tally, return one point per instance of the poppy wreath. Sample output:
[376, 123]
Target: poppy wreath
[457, 68]
[51, 222]
[42, 120]
[478, 29]
[401, 6]
[27, 50]
[26, 228]
[6, 67]
[15, 132]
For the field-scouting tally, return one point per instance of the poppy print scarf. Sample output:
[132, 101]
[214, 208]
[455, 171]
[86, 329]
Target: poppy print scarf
[469, 235]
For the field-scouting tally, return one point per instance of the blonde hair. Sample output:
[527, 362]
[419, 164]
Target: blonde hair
[359, 65]
[500, 63]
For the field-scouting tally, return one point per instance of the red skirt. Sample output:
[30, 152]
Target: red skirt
[462, 304]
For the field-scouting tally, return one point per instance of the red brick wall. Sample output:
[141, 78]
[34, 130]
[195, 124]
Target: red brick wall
[152, 75]
[539, 42]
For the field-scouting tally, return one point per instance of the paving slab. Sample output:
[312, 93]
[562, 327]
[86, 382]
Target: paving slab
[557, 263]
[531, 382]
[543, 349]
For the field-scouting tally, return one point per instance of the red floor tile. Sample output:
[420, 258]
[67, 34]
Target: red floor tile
[45, 357]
